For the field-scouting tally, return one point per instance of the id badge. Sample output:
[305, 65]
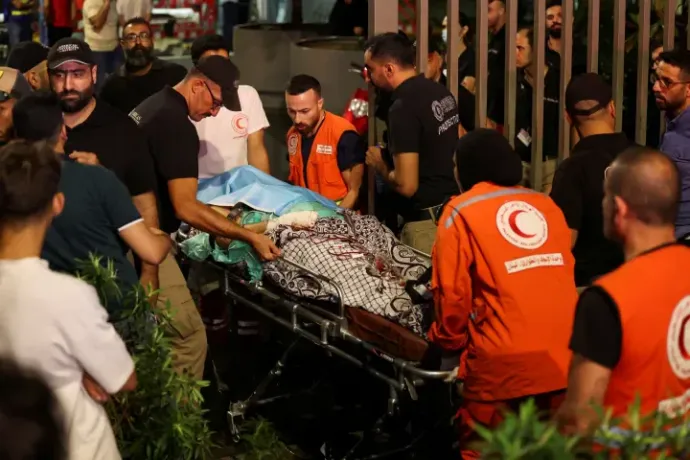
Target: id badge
[524, 137]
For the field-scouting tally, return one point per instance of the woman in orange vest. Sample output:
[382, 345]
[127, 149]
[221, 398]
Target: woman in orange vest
[504, 287]
[631, 335]
[325, 151]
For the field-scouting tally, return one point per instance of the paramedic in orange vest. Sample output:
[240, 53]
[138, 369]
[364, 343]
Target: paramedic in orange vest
[325, 151]
[504, 287]
[631, 334]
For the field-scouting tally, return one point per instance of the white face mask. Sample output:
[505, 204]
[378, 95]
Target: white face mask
[444, 35]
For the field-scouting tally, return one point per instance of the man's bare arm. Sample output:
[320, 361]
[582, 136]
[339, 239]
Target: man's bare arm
[587, 384]
[405, 177]
[257, 155]
[353, 180]
[98, 20]
[148, 210]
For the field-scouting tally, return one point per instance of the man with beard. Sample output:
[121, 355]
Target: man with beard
[554, 28]
[672, 92]
[13, 86]
[142, 74]
[325, 152]
[165, 118]
[629, 334]
[94, 126]
[30, 59]
[496, 63]
[422, 132]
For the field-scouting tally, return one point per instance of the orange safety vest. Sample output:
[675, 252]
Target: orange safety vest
[323, 175]
[652, 293]
[512, 274]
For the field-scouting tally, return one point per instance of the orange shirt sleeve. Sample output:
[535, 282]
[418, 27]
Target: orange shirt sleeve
[451, 284]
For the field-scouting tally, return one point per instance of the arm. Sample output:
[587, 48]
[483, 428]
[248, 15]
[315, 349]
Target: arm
[468, 83]
[95, 344]
[566, 192]
[353, 180]
[596, 345]
[146, 205]
[150, 244]
[198, 215]
[99, 15]
[257, 155]
[451, 284]
[351, 158]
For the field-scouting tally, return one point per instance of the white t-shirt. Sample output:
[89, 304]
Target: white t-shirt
[105, 39]
[130, 9]
[223, 138]
[55, 324]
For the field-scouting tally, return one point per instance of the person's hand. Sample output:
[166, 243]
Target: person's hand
[86, 158]
[265, 247]
[94, 390]
[358, 31]
[374, 159]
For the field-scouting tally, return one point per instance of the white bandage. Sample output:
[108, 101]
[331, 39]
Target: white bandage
[301, 219]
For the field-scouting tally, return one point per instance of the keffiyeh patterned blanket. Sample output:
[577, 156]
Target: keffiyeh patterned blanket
[362, 256]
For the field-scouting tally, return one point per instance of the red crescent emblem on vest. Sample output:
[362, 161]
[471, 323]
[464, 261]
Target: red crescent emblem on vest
[239, 124]
[683, 337]
[678, 339]
[512, 221]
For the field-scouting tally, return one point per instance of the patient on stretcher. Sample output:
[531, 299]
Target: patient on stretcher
[357, 252]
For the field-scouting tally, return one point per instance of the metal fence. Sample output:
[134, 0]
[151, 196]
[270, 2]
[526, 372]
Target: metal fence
[383, 17]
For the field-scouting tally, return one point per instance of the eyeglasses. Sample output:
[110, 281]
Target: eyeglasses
[665, 83]
[216, 102]
[132, 38]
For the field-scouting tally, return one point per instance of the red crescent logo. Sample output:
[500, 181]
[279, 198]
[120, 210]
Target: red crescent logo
[681, 339]
[239, 123]
[512, 221]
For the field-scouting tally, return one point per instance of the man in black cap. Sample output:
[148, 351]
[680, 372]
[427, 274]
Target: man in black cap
[165, 118]
[578, 185]
[30, 59]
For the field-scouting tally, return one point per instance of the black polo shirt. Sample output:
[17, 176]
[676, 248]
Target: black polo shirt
[124, 91]
[496, 79]
[523, 116]
[119, 145]
[174, 145]
[578, 189]
[97, 207]
[424, 119]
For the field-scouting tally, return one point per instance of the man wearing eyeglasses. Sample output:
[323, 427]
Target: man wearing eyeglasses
[142, 75]
[672, 93]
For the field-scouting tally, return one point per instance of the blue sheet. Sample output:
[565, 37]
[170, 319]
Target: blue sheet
[256, 189]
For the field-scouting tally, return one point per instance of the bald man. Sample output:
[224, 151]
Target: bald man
[629, 329]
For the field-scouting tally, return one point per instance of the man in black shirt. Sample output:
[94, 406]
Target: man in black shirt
[496, 63]
[94, 126]
[578, 182]
[527, 72]
[174, 144]
[422, 133]
[642, 190]
[142, 74]
[554, 29]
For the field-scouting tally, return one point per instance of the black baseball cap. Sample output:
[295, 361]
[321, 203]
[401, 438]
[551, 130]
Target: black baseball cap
[70, 50]
[27, 55]
[225, 74]
[587, 87]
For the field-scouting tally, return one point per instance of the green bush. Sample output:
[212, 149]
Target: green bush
[162, 419]
[525, 435]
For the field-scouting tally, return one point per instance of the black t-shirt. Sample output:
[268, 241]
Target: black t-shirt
[523, 116]
[424, 119]
[124, 91]
[578, 189]
[97, 206]
[466, 65]
[579, 62]
[174, 144]
[351, 151]
[496, 79]
[597, 330]
[119, 145]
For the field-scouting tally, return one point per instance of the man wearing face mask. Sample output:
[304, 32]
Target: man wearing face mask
[142, 74]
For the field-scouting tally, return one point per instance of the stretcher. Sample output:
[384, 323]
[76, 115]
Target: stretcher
[383, 349]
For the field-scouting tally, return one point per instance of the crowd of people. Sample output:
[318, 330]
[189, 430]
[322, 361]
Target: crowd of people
[536, 295]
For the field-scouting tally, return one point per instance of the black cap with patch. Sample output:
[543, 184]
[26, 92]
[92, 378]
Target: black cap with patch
[70, 50]
[587, 87]
[26, 55]
[225, 74]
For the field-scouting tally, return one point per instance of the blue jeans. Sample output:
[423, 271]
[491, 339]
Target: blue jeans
[107, 62]
[19, 31]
